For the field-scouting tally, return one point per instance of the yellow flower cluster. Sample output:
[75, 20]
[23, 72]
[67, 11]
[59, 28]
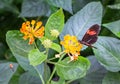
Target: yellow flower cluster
[72, 46]
[31, 30]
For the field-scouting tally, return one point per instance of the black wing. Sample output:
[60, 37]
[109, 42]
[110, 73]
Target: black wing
[91, 35]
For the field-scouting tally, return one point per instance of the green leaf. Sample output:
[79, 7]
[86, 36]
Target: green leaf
[107, 53]
[112, 78]
[47, 73]
[25, 64]
[36, 57]
[51, 53]
[2, 50]
[56, 47]
[79, 4]
[6, 73]
[117, 1]
[114, 27]
[79, 23]
[6, 5]
[5, 2]
[55, 21]
[115, 6]
[60, 81]
[20, 50]
[16, 76]
[14, 79]
[17, 44]
[65, 4]
[95, 74]
[72, 70]
[33, 8]
[111, 15]
[27, 78]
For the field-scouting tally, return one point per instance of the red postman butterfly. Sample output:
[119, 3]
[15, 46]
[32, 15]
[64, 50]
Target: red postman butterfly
[91, 36]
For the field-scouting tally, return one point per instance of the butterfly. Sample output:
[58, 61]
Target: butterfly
[91, 36]
[11, 67]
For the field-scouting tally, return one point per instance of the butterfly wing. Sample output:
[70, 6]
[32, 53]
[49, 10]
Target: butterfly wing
[90, 36]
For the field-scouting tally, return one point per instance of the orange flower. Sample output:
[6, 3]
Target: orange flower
[31, 30]
[72, 46]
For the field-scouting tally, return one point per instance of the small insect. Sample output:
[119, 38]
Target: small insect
[11, 67]
[91, 36]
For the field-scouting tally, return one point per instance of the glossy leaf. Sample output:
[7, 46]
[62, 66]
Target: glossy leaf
[65, 4]
[16, 76]
[36, 57]
[25, 64]
[34, 8]
[19, 47]
[79, 23]
[27, 78]
[6, 5]
[47, 73]
[72, 70]
[6, 72]
[95, 74]
[114, 27]
[17, 44]
[79, 4]
[107, 53]
[111, 15]
[20, 50]
[55, 21]
[112, 78]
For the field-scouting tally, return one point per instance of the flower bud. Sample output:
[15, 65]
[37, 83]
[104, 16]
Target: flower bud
[47, 43]
[57, 56]
[54, 33]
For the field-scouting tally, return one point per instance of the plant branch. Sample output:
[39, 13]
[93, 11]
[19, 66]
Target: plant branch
[52, 58]
[54, 70]
[24, 19]
[50, 62]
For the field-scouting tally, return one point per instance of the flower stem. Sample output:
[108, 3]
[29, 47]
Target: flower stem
[48, 61]
[24, 19]
[38, 18]
[52, 58]
[35, 45]
[40, 75]
[68, 82]
[48, 82]
[51, 75]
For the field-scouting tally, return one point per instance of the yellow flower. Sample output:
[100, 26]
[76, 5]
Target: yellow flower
[72, 46]
[31, 30]
[74, 57]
